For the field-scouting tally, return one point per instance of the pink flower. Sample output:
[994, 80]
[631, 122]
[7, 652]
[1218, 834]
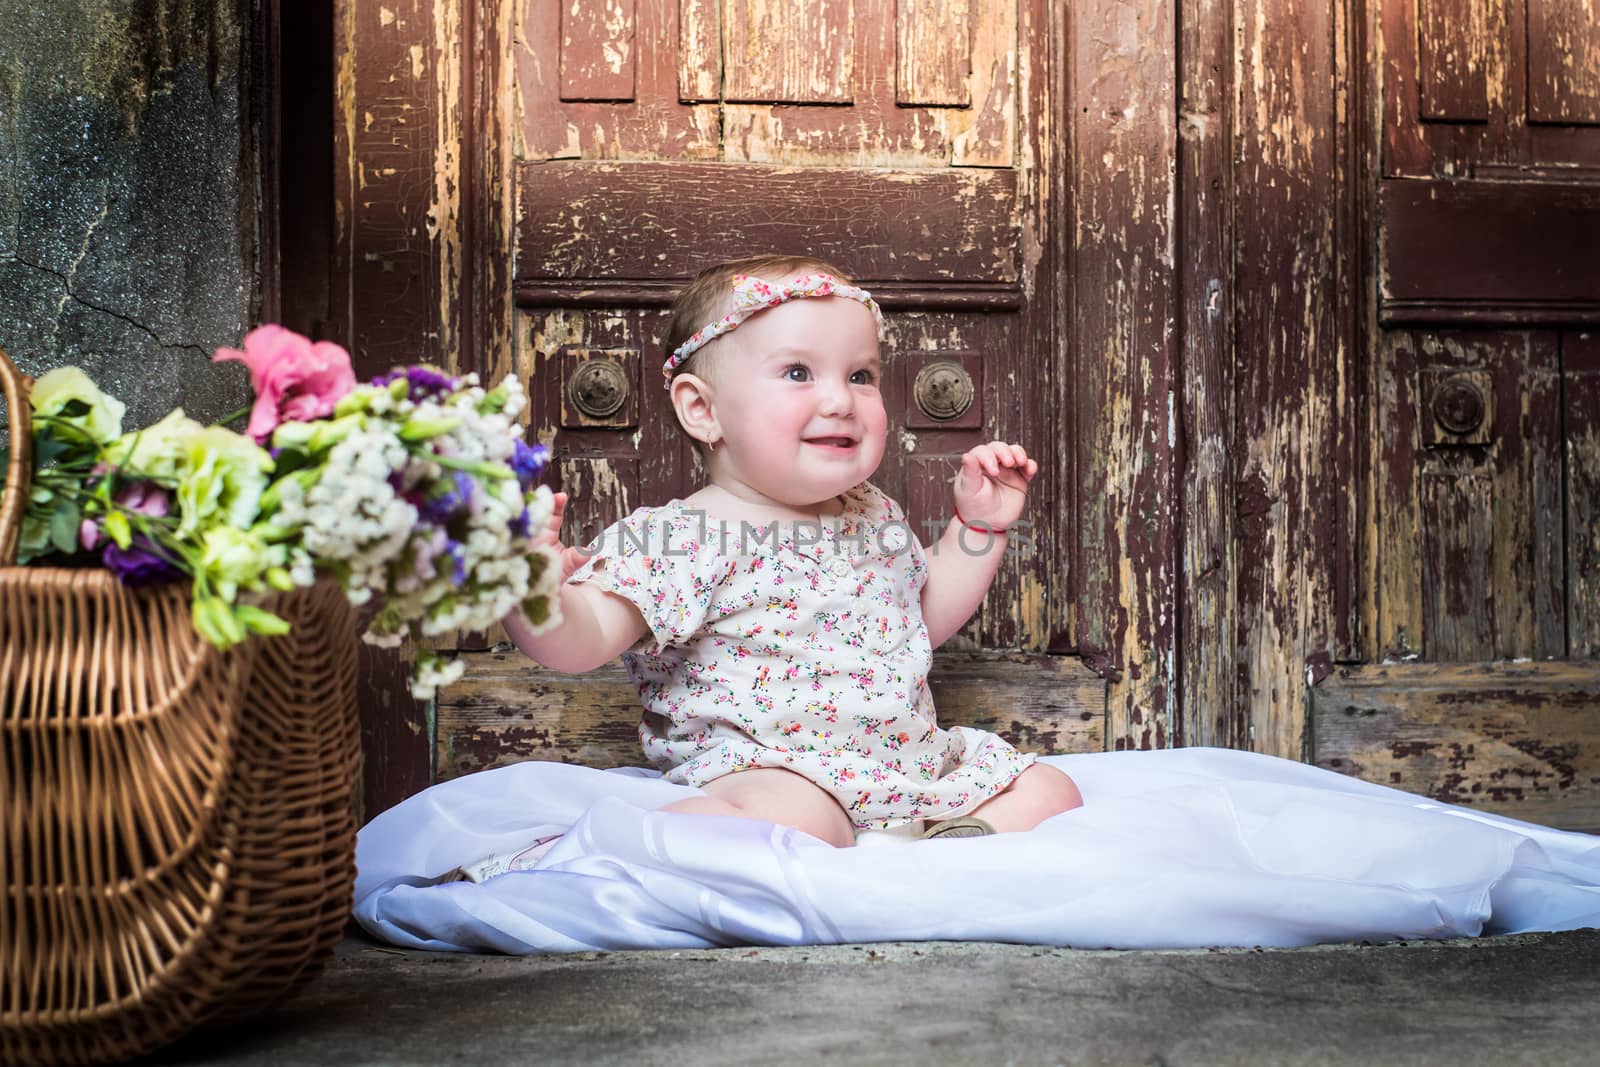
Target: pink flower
[295, 379]
[146, 498]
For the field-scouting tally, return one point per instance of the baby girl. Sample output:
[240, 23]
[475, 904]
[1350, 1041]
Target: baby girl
[780, 622]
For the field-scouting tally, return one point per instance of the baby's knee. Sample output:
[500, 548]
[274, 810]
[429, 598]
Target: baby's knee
[789, 799]
[1051, 790]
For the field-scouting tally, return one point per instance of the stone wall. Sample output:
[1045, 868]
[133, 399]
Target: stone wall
[128, 196]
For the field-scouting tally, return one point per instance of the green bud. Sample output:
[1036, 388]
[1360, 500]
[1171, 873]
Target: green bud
[293, 434]
[279, 579]
[356, 400]
[329, 434]
[494, 401]
[258, 621]
[117, 528]
[204, 615]
[424, 429]
[537, 609]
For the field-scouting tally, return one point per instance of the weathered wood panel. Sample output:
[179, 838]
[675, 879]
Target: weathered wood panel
[1292, 358]
[596, 221]
[986, 134]
[1451, 44]
[1207, 605]
[933, 53]
[654, 125]
[1124, 137]
[1564, 61]
[699, 51]
[1533, 65]
[508, 709]
[1469, 496]
[400, 286]
[1457, 606]
[880, 131]
[788, 51]
[1580, 358]
[1517, 739]
[597, 50]
[1488, 252]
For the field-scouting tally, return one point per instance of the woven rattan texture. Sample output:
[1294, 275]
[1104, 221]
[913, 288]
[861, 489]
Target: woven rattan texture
[178, 823]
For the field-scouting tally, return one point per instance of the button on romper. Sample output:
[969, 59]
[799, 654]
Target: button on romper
[803, 649]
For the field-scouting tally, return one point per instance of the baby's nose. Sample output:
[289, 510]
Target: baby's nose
[836, 398]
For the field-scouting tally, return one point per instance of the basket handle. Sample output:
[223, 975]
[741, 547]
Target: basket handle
[19, 468]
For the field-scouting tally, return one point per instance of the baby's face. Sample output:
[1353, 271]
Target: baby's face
[799, 402]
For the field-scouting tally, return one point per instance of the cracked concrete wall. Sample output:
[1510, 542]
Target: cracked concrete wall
[128, 194]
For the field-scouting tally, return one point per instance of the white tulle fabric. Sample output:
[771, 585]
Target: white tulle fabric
[1179, 848]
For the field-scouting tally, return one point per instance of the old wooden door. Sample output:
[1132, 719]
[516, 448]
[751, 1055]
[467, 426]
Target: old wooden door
[1485, 563]
[908, 143]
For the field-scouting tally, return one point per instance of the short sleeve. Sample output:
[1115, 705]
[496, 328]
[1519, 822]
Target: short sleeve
[657, 559]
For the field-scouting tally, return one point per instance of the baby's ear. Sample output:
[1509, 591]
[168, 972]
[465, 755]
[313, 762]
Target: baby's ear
[692, 398]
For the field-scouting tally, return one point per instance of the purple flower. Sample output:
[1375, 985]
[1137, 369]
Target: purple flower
[458, 555]
[422, 382]
[522, 525]
[448, 503]
[529, 462]
[137, 565]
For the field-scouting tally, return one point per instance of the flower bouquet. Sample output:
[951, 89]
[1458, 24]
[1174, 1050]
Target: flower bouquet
[415, 491]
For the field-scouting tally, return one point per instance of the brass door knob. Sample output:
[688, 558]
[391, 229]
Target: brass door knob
[943, 390]
[598, 387]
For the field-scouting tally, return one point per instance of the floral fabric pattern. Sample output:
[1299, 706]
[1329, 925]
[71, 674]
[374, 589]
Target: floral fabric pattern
[774, 649]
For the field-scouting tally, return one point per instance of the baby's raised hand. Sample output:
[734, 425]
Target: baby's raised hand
[571, 558]
[993, 484]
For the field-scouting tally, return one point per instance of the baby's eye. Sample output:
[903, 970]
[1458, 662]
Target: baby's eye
[796, 373]
[864, 377]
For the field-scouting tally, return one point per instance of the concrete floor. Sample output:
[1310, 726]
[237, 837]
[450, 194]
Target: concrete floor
[1528, 999]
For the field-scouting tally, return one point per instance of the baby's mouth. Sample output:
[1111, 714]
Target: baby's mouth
[837, 441]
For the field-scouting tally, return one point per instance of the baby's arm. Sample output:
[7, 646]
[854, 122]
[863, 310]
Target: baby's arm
[990, 491]
[595, 626]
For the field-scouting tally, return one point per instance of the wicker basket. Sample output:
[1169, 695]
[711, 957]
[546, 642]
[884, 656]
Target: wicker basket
[177, 827]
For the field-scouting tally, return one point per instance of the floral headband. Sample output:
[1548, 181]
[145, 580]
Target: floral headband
[751, 294]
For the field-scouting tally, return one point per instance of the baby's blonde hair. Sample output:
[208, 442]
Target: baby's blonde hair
[709, 296]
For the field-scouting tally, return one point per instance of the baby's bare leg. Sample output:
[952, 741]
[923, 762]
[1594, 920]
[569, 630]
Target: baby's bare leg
[774, 795]
[1036, 794]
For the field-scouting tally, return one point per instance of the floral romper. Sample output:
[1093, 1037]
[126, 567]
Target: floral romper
[805, 651]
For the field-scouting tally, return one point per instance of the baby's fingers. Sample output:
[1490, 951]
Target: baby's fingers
[1014, 457]
[971, 476]
[551, 534]
[571, 560]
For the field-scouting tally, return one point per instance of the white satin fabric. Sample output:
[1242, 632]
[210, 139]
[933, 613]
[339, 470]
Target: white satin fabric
[1174, 848]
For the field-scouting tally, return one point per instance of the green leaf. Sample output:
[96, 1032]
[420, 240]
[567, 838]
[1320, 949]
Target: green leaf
[290, 460]
[47, 447]
[74, 409]
[34, 540]
[64, 526]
